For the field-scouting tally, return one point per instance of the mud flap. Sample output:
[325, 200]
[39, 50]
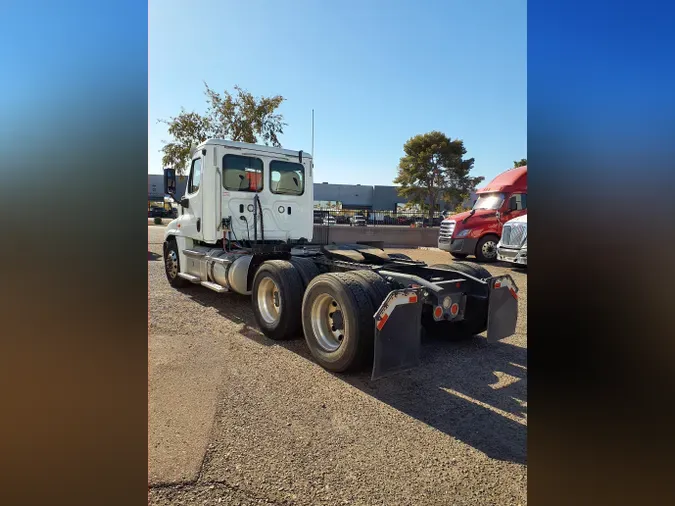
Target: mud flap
[397, 333]
[503, 308]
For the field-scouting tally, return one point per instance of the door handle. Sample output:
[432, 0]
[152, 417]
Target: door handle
[199, 224]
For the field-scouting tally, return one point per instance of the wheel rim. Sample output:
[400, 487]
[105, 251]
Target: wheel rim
[171, 263]
[489, 249]
[328, 323]
[269, 300]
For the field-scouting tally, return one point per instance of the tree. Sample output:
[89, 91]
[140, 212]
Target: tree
[433, 169]
[188, 129]
[240, 117]
[521, 163]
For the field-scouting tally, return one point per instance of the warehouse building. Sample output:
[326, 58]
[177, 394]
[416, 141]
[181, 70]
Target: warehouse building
[349, 196]
[156, 187]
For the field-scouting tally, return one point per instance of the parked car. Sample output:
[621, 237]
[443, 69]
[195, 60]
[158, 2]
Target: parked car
[358, 220]
[329, 220]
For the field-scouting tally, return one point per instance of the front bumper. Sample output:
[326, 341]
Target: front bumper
[512, 255]
[466, 246]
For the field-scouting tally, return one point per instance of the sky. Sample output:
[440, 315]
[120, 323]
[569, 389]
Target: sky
[375, 72]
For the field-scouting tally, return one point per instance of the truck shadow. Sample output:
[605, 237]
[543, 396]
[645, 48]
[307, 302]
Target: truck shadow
[473, 391]
[152, 257]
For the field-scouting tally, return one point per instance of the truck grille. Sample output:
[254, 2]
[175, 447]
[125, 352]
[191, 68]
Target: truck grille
[513, 234]
[447, 228]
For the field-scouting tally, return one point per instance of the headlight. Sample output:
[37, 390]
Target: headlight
[463, 233]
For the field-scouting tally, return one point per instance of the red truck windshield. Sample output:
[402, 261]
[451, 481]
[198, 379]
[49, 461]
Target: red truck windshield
[491, 201]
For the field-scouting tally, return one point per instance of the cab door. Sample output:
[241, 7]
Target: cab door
[290, 203]
[243, 177]
[516, 205]
[191, 219]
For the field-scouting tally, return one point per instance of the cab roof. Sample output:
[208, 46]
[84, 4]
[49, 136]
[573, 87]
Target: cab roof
[257, 148]
[511, 180]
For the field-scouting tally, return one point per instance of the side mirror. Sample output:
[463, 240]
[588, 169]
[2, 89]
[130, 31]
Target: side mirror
[513, 204]
[170, 182]
[185, 202]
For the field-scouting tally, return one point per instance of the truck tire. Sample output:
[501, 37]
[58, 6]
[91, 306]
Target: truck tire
[470, 268]
[350, 345]
[459, 256]
[307, 269]
[374, 284]
[486, 249]
[172, 265]
[277, 299]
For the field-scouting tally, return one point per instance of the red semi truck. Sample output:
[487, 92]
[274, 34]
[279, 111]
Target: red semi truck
[478, 231]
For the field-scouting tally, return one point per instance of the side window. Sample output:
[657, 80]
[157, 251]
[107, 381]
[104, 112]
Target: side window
[195, 176]
[242, 173]
[521, 201]
[287, 178]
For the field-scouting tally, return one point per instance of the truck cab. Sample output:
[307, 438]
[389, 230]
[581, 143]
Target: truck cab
[512, 247]
[477, 232]
[232, 184]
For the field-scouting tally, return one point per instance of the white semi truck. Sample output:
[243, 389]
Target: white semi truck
[245, 225]
[512, 247]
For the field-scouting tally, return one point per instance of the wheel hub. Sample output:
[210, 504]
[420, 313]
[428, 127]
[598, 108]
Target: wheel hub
[328, 323]
[489, 249]
[269, 300]
[171, 264]
[337, 320]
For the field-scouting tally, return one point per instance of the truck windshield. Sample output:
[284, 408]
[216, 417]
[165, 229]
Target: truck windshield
[491, 201]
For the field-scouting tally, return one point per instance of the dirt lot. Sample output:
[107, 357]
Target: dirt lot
[235, 418]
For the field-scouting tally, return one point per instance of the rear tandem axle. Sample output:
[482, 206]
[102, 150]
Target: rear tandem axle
[356, 305]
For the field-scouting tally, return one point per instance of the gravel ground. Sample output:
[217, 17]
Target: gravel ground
[236, 418]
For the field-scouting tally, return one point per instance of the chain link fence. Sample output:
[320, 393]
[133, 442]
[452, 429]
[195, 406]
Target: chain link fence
[344, 217]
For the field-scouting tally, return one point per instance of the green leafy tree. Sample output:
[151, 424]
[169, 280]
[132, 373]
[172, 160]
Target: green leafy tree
[239, 117]
[521, 163]
[244, 117]
[433, 170]
[188, 129]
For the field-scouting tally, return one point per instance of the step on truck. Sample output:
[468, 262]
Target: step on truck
[245, 225]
